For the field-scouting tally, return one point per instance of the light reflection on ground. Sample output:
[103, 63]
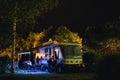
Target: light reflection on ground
[20, 71]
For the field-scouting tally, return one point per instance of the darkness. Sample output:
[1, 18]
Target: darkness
[77, 13]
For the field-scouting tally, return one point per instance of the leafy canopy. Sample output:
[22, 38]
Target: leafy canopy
[63, 34]
[25, 9]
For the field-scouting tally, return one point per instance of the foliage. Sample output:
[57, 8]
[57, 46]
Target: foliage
[110, 42]
[111, 45]
[112, 29]
[22, 12]
[108, 68]
[90, 59]
[33, 40]
[6, 52]
[103, 35]
[25, 10]
[4, 60]
[63, 34]
[5, 37]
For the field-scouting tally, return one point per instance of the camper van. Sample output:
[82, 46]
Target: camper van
[58, 56]
[53, 56]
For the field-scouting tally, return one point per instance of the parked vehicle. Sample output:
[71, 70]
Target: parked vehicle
[57, 56]
[23, 57]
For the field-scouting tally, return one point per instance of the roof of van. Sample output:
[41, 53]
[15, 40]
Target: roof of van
[58, 43]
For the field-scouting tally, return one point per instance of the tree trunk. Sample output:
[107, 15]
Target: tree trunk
[14, 43]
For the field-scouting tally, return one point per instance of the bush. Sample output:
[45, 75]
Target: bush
[3, 63]
[108, 68]
[90, 59]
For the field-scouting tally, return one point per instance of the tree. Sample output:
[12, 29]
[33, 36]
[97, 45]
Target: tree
[34, 39]
[24, 10]
[63, 34]
[110, 42]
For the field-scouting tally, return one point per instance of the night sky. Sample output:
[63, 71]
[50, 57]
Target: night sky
[76, 13]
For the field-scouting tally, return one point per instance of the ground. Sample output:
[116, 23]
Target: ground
[44, 75]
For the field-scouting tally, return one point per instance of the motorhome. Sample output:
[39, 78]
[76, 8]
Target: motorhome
[56, 56]
[59, 56]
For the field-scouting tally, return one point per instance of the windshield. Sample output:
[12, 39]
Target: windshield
[70, 51]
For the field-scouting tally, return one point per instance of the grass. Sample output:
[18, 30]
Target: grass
[67, 76]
